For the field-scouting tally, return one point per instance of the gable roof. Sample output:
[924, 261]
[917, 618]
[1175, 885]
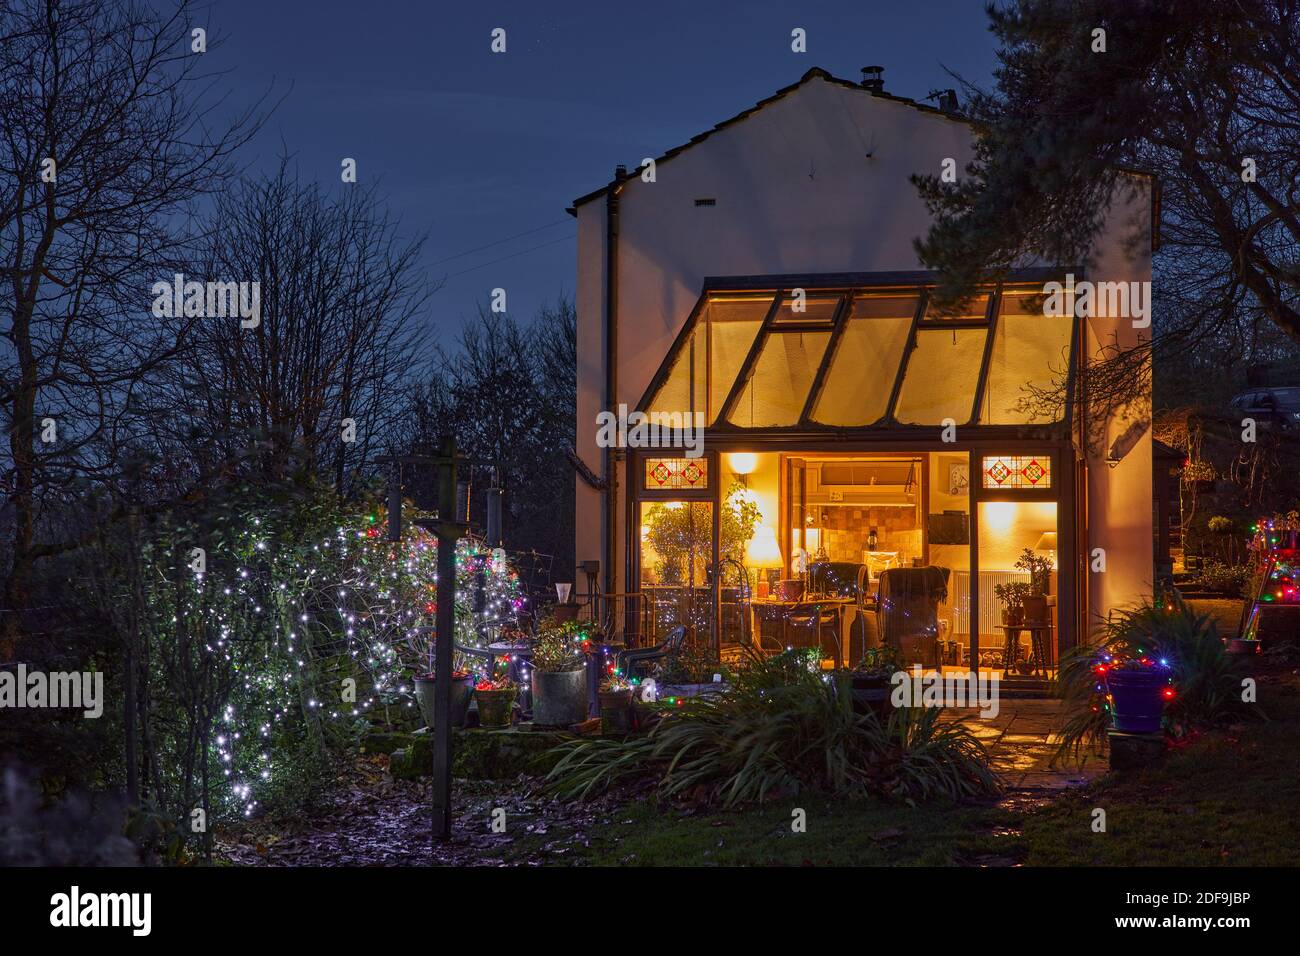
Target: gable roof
[816, 73]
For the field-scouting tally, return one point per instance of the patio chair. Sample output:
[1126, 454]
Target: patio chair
[639, 658]
[908, 612]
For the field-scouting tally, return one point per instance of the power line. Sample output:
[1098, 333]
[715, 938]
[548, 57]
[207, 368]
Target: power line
[513, 255]
[468, 252]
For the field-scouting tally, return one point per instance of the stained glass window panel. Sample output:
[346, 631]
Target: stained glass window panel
[676, 473]
[1017, 471]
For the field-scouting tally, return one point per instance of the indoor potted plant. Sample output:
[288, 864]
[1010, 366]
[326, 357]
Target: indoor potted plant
[616, 704]
[559, 673]
[1137, 688]
[1012, 595]
[496, 701]
[1034, 603]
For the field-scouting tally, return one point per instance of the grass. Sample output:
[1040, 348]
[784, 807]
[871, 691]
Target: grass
[1230, 797]
[838, 833]
[1227, 798]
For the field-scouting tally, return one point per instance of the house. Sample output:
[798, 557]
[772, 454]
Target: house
[762, 278]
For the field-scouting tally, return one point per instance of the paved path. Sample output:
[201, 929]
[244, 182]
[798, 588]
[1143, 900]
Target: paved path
[1020, 744]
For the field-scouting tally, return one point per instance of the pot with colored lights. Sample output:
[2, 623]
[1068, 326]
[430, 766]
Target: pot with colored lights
[1138, 690]
[559, 672]
[462, 685]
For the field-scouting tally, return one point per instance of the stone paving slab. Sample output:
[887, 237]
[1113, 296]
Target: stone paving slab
[1021, 743]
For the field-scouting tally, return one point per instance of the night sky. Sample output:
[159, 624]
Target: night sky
[477, 147]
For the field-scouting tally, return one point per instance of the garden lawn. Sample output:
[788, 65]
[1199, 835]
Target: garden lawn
[1229, 797]
[838, 834]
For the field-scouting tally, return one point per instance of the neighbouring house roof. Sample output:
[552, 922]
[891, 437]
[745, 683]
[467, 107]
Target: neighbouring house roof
[815, 73]
[865, 352]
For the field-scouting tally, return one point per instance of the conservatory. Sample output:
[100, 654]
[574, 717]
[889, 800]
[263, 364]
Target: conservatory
[853, 430]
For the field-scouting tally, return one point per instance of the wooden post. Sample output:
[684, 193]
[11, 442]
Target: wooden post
[448, 532]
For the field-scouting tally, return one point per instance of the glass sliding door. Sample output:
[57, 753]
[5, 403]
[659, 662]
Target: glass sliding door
[1019, 588]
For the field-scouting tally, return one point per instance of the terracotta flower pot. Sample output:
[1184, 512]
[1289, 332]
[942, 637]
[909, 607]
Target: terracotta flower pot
[1036, 610]
[495, 707]
[615, 711]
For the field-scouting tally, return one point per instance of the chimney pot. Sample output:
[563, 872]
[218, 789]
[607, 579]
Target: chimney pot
[872, 79]
[620, 171]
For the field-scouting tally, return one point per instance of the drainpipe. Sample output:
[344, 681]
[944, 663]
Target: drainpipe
[611, 374]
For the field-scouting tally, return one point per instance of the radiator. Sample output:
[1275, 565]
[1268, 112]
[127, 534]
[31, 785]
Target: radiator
[990, 606]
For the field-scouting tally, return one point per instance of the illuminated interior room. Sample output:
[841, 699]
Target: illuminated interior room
[832, 504]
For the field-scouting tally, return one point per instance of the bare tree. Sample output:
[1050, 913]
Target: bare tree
[107, 134]
[317, 383]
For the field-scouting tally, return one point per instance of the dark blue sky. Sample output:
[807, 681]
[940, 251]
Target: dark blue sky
[475, 147]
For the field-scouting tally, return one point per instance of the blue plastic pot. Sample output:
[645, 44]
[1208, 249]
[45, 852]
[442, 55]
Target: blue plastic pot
[1137, 699]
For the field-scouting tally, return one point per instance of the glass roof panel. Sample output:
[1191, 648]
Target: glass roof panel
[974, 310]
[775, 394]
[812, 308]
[710, 358]
[733, 326]
[861, 375]
[942, 374]
[1031, 354]
[683, 389]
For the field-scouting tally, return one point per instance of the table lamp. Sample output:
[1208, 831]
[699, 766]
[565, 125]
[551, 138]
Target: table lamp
[764, 555]
[1047, 542]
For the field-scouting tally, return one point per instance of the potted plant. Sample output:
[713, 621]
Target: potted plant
[616, 704]
[496, 701]
[871, 682]
[1039, 569]
[1012, 595]
[462, 684]
[1137, 688]
[559, 672]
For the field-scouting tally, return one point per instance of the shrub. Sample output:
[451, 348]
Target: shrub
[1219, 524]
[1207, 680]
[783, 729]
[1228, 578]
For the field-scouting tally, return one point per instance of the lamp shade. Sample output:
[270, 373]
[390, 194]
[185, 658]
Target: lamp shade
[1046, 541]
[763, 551]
